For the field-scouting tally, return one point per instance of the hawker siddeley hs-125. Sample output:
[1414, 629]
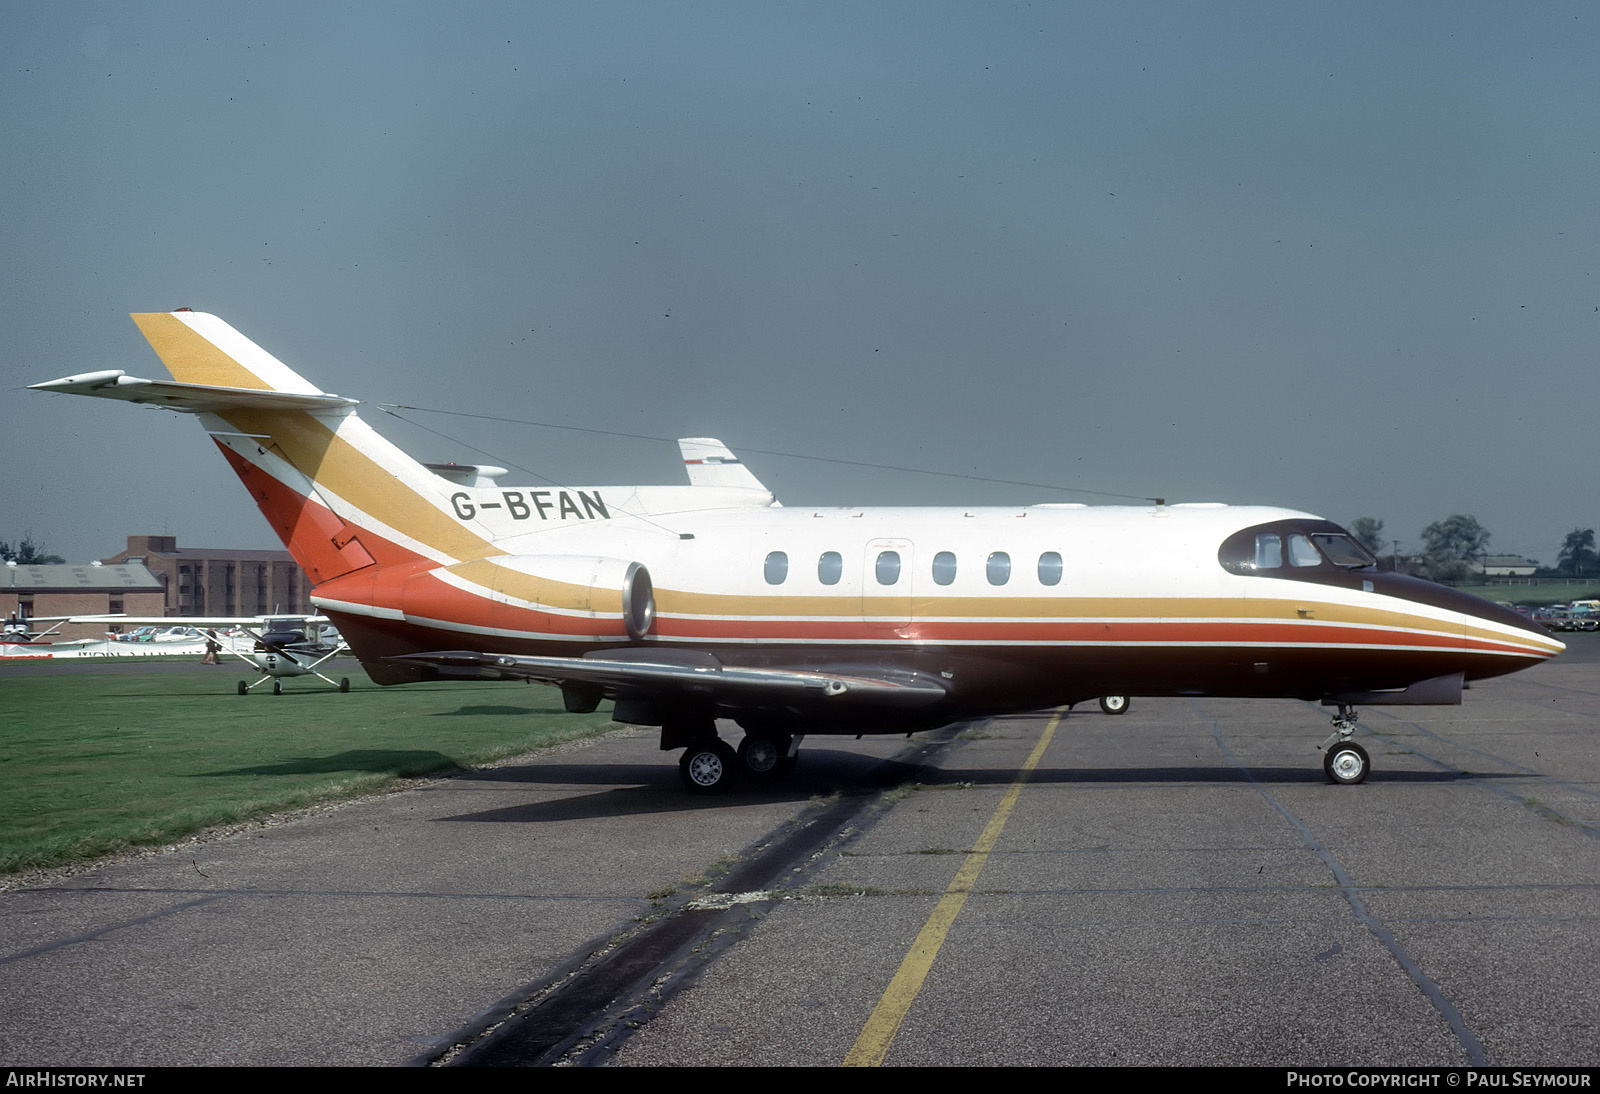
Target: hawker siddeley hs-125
[686, 604]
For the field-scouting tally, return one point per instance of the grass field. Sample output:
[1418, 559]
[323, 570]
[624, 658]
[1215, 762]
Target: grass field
[1536, 593]
[92, 763]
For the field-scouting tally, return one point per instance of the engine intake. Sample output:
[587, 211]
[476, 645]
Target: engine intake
[540, 595]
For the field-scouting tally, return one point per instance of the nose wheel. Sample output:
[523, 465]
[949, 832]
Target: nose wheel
[1344, 761]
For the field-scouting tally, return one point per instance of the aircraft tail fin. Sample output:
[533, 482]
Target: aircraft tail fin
[201, 349]
[334, 490]
[709, 462]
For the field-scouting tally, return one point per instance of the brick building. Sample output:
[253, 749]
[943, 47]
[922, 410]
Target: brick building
[220, 581]
[88, 588]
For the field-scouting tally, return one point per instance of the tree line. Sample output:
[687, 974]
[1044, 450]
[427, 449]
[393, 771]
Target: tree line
[25, 552]
[1453, 549]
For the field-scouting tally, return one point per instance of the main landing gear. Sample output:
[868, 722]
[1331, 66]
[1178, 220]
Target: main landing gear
[277, 684]
[1345, 761]
[709, 766]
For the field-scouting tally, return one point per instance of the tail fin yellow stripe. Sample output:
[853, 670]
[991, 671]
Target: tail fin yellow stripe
[202, 349]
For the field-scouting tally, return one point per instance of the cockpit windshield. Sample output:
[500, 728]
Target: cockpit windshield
[1343, 550]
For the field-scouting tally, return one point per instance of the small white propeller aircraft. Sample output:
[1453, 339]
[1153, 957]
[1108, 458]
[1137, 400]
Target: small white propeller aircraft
[18, 630]
[691, 603]
[284, 645]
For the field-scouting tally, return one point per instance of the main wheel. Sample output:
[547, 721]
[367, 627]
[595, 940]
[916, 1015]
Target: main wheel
[244, 688]
[1115, 704]
[344, 683]
[1347, 763]
[707, 767]
[764, 757]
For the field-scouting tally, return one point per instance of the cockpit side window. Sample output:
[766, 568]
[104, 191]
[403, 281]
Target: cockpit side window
[1269, 551]
[1301, 553]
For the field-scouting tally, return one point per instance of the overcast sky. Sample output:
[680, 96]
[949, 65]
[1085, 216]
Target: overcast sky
[1337, 257]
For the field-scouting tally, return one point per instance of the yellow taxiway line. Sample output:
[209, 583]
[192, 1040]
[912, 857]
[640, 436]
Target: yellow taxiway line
[876, 1036]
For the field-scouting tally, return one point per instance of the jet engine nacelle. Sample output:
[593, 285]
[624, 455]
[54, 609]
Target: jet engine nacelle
[584, 596]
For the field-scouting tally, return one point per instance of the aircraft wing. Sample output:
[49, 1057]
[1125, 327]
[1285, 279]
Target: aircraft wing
[700, 677]
[32, 635]
[255, 621]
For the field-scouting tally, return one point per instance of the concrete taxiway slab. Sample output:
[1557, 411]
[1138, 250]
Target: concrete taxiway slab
[1176, 885]
[1152, 901]
[362, 934]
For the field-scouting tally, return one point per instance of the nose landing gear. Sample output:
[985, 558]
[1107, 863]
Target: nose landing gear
[1345, 761]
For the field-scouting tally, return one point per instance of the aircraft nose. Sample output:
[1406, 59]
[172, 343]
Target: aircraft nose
[1540, 643]
[1496, 639]
[1534, 627]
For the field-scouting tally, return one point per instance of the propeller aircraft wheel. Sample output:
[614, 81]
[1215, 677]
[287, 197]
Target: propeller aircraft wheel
[277, 687]
[344, 683]
[244, 688]
[1347, 763]
[707, 767]
[1115, 704]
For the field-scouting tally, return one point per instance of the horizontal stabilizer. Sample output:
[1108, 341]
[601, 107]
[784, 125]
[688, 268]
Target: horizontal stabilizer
[193, 398]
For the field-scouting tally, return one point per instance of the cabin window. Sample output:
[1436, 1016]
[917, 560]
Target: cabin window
[998, 568]
[1050, 568]
[944, 568]
[830, 567]
[777, 568]
[888, 567]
